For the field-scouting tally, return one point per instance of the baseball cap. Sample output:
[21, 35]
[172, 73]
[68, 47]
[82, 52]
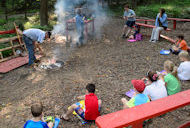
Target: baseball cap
[139, 85]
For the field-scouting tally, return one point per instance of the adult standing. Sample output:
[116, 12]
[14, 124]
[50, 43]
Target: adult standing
[160, 24]
[32, 38]
[129, 17]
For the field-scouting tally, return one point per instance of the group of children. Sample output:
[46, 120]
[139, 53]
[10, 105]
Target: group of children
[152, 87]
[158, 85]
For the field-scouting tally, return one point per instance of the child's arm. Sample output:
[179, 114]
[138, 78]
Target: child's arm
[81, 97]
[163, 18]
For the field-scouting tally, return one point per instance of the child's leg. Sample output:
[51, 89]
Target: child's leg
[157, 34]
[128, 32]
[124, 101]
[153, 33]
[69, 112]
[124, 29]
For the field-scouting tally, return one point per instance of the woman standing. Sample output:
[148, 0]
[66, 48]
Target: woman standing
[160, 24]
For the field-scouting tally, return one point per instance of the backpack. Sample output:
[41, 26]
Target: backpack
[138, 37]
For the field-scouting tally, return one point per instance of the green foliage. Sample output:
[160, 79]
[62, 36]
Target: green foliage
[174, 8]
[2, 21]
[34, 22]
[6, 53]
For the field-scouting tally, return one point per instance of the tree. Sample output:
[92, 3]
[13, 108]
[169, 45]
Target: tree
[43, 12]
[4, 6]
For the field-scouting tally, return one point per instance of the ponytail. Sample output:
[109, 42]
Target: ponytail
[152, 75]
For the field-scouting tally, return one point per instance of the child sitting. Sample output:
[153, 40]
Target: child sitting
[36, 121]
[180, 45]
[184, 68]
[136, 34]
[138, 98]
[156, 89]
[92, 106]
[172, 83]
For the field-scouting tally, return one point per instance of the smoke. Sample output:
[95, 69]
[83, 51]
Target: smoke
[65, 10]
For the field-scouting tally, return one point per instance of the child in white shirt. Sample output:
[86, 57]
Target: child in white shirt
[156, 89]
[184, 68]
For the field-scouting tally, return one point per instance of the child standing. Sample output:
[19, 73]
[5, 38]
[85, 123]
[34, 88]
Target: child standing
[92, 105]
[184, 68]
[156, 89]
[172, 83]
[36, 121]
[129, 17]
[80, 27]
[180, 45]
[139, 98]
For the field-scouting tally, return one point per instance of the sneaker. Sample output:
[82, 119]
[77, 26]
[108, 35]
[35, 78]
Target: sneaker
[154, 41]
[37, 61]
[123, 36]
[150, 41]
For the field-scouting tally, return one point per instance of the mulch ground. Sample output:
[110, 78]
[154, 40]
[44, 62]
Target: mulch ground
[110, 62]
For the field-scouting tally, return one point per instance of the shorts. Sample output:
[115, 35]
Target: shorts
[130, 23]
[81, 112]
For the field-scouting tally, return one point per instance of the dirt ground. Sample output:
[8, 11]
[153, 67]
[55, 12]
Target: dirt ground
[111, 63]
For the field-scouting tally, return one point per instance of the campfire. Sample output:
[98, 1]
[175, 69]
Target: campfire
[59, 38]
[51, 64]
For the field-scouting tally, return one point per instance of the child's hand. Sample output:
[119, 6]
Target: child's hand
[125, 18]
[50, 124]
[81, 97]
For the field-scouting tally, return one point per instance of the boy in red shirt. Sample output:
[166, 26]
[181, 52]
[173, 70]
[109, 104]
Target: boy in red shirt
[180, 45]
[92, 106]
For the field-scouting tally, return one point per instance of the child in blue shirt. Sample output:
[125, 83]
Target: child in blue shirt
[138, 98]
[80, 27]
[129, 17]
[36, 121]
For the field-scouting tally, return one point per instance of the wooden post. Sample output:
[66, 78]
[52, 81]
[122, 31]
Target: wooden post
[1, 55]
[19, 39]
[13, 49]
[174, 24]
[86, 30]
[93, 28]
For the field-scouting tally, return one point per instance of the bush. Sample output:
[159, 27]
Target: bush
[6, 53]
[2, 21]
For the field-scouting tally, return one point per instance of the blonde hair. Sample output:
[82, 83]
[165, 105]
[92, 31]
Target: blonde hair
[170, 67]
[184, 54]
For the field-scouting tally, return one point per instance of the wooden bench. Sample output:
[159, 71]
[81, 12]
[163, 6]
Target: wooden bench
[150, 26]
[169, 19]
[136, 115]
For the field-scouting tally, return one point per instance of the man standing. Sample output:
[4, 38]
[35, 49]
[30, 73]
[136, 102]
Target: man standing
[32, 38]
[129, 17]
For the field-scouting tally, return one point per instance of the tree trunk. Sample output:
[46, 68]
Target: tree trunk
[43, 12]
[4, 6]
[25, 9]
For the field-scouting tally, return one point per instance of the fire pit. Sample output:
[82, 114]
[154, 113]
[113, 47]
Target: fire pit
[51, 64]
